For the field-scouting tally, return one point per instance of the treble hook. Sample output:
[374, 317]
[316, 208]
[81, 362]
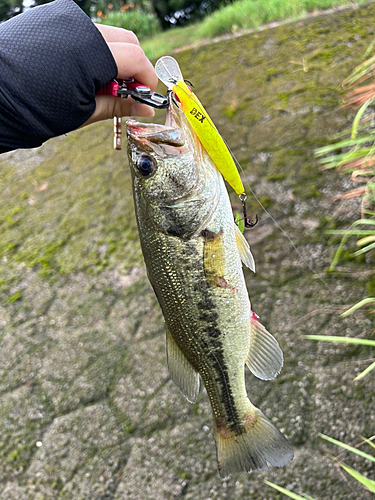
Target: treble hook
[189, 82]
[247, 222]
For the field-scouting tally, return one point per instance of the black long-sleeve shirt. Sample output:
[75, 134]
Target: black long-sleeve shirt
[52, 62]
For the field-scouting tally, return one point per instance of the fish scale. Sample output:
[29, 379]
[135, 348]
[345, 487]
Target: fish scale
[185, 297]
[193, 253]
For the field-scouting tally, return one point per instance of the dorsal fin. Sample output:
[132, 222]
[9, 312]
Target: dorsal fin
[244, 249]
[181, 371]
[265, 359]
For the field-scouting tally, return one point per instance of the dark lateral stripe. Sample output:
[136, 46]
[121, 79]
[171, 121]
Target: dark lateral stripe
[209, 317]
[206, 319]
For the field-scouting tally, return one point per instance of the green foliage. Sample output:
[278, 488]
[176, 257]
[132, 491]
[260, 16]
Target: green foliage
[369, 300]
[16, 296]
[10, 8]
[181, 12]
[143, 24]
[348, 448]
[250, 14]
[241, 14]
[365, 481]
[349, 340]
[288, 493]
[168, 41]
[367, 239]
[240, 222]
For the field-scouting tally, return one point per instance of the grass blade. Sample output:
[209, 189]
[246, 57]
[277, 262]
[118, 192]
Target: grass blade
[359, 477]
[368, 441]
[347, 447]
[288, 493]
[344, 144]
[351, 232]
[363, 374]
[346, 235]
[365, 240]
[364, 250]
[358, 305]
[345, 340]
[359, 115]
[369, 49]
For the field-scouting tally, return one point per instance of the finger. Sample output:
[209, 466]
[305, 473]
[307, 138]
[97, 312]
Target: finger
[132, 63]
[108, 107]
[113, 34]
[129, 107]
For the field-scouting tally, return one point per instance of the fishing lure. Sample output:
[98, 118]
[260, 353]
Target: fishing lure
[169, 73]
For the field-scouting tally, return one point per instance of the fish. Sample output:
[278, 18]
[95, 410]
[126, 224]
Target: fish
[194, 253]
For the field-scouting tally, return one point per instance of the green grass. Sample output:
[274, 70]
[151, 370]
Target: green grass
[350, 340]
[356, 155]
[170, 41]
[241, 15]
[369, 484]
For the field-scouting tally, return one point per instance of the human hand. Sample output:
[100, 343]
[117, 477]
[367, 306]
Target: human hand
[131, 63]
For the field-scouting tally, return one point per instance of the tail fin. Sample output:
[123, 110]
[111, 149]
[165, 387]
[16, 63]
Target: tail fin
[259, 443]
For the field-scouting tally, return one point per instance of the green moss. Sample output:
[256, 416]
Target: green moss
[16, 296]
[276, 177]
[185, 475]
[13, 456]
[266, 201]
[229, 112]
[12, 246]
[282, 96]
[13, 216]
[314, 191]
[370, 285]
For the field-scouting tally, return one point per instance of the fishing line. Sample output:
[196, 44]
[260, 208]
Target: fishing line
[238, 165]
[278, 225]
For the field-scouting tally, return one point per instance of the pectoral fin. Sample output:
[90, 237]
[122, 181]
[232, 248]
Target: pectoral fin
[181, 371]
[244, 249]
[265, 358]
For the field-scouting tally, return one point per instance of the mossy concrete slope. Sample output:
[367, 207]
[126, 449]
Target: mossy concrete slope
[87, 408]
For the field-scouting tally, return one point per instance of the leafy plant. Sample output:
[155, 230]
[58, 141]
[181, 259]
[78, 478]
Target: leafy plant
[240, 222]
[143, 24]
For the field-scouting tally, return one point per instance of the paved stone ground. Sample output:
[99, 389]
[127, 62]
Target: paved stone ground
[87, 408]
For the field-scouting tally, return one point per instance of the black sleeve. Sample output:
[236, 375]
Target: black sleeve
[52, 62]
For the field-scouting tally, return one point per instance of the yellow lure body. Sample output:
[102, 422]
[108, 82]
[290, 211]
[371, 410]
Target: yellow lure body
[208, 135]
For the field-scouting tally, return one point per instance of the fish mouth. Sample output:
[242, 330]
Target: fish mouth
[169, 134]
[154, 133]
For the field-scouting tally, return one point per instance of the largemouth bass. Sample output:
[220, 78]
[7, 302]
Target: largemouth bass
[193, 253]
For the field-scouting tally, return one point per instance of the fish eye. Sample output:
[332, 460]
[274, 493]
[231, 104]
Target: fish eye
[146, 165]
